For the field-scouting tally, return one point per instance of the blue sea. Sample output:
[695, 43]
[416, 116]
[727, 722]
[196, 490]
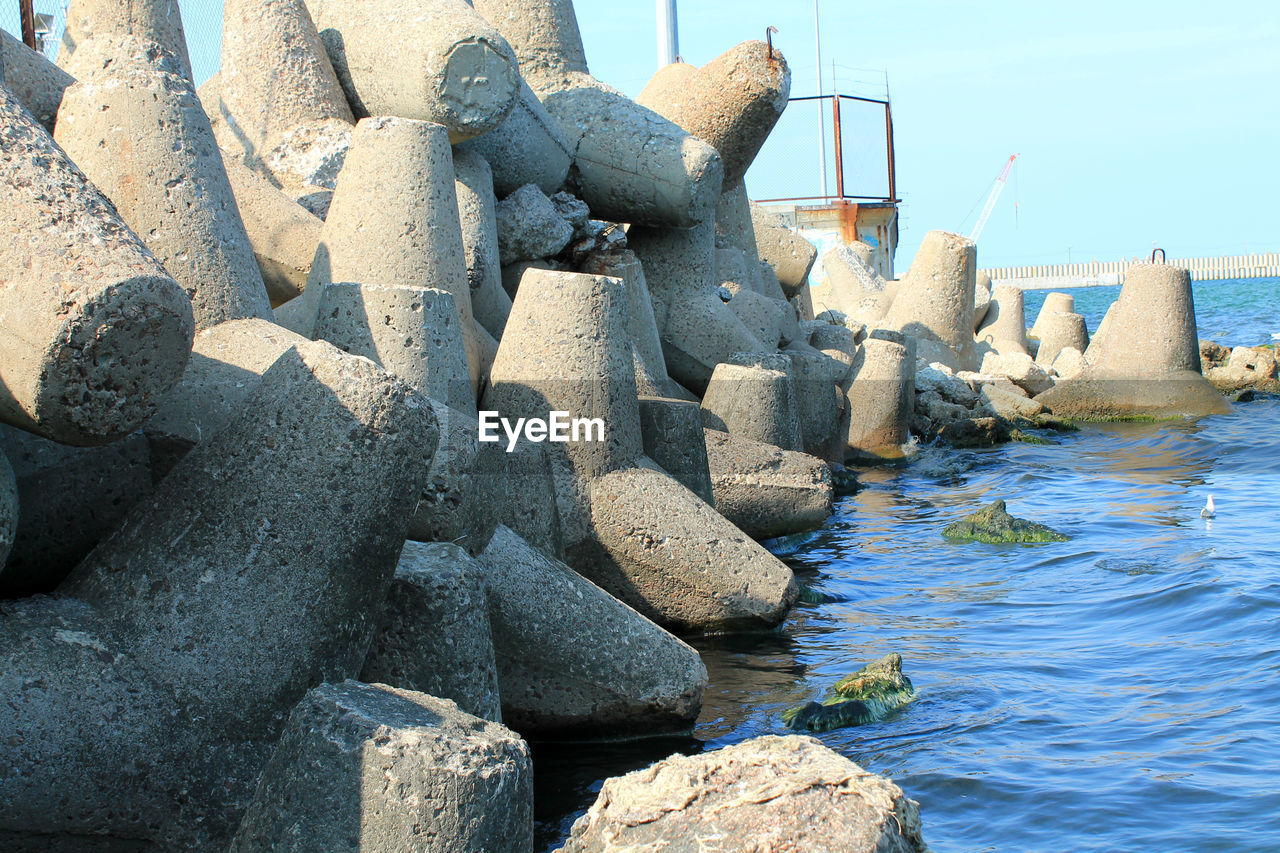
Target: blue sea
[1118, 692]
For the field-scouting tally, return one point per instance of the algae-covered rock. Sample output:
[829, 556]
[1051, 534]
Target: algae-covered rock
[994, 525]
[864, 697]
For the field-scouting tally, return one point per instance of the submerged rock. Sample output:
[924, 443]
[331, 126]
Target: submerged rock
[995, 526]
[864, 697]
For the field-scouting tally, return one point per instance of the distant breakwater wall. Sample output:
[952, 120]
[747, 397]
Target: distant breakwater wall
[1095, 273]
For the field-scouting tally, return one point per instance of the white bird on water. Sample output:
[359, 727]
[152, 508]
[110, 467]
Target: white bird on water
[1208, 511]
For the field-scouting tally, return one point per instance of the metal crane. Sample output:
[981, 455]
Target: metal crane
[992, 199]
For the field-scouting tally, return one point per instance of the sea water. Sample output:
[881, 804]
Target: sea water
[1120, 691]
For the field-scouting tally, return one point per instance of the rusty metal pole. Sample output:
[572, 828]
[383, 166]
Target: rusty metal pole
[888, 132]
[28, 15]
[835, 109]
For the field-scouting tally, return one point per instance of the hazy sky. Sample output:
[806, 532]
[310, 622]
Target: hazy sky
[1136, 122]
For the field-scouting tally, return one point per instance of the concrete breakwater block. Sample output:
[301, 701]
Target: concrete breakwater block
[466, 488]
[527, 148]
[1005, 326]
[158, 21]
[1058, 331]
[70, 499]
[368, 767]
[433, 635]
[36, 82]
[8, 508]
[477, 214]
[133, 122]
[630, 164]
[96, 332]
[755, 401]
[672, 434]
[852, 287]
[790, 255]
[732, 102]
[767, 491]
[445, 64]
[572, 659]
[1054, 303]
[274, 540]
[782, 793]
[879, 400]
[530, 227]
[935, 300]
[393, 222]
[87, 745]
[1145, 357]
[282, 233]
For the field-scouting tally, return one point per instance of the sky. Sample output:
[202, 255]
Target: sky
[1137, 124]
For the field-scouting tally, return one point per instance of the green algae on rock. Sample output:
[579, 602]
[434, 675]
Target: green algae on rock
[995, 526]
[866, 696]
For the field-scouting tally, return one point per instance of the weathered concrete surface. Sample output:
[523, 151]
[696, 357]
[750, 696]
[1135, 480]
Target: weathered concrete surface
[673, 558]
[818, 378]
[93, 331]
[87, 738]
[573, 660]
[764, 490]
[755, 402]
[70, 498]
[36, 82]
[1144, 360]
[527, 148]
[466, 485]
[443, 64]
[732, 102]
[282, 233]
[274, 540]
[1020, 369]
[1059, 331]
[368, 767]
[771, 793]
[158, 21]
[672, 434]
[133, 122]
[544, 35]
[935, 300]
[8, 509]
[852, 287]
[879, 400]
[698, 330]
[393, 222]
[790, 255]
[477, 214]
[433, 635]
[1054, 303]
[1005, 325]
[1246, 368]
[412, 332]
[761, 316]
[530, 227]
[642, 325]
[735, 231]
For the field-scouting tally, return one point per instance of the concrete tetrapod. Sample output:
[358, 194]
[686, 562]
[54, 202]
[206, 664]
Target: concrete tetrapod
[732, 102]
[527, 148]
[282, 233]
[697, 329]
[412, 332]
[70, 499]
[764, 490]
[158, 21]
[629, 163]
[672, 434]
[755, 401]
[735, 231]
[781, 793]
[1054, 303]
[1145, 359]
[276, 541]
[473, 183]
[434, 634]
[445, 63]
[393, 222]
[8, 508]
[36, 82]
[465, 487]
[852, 286]
[573, 660]
[364, 767]
[790, 255]
[631, 529]
[1059, 331]
[935, 300]
[134, 124]
[93, 332]
[1005, 326]
[879, 400]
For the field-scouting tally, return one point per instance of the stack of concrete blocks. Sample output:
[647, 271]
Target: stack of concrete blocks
[1144, 359]
[1059, 328]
